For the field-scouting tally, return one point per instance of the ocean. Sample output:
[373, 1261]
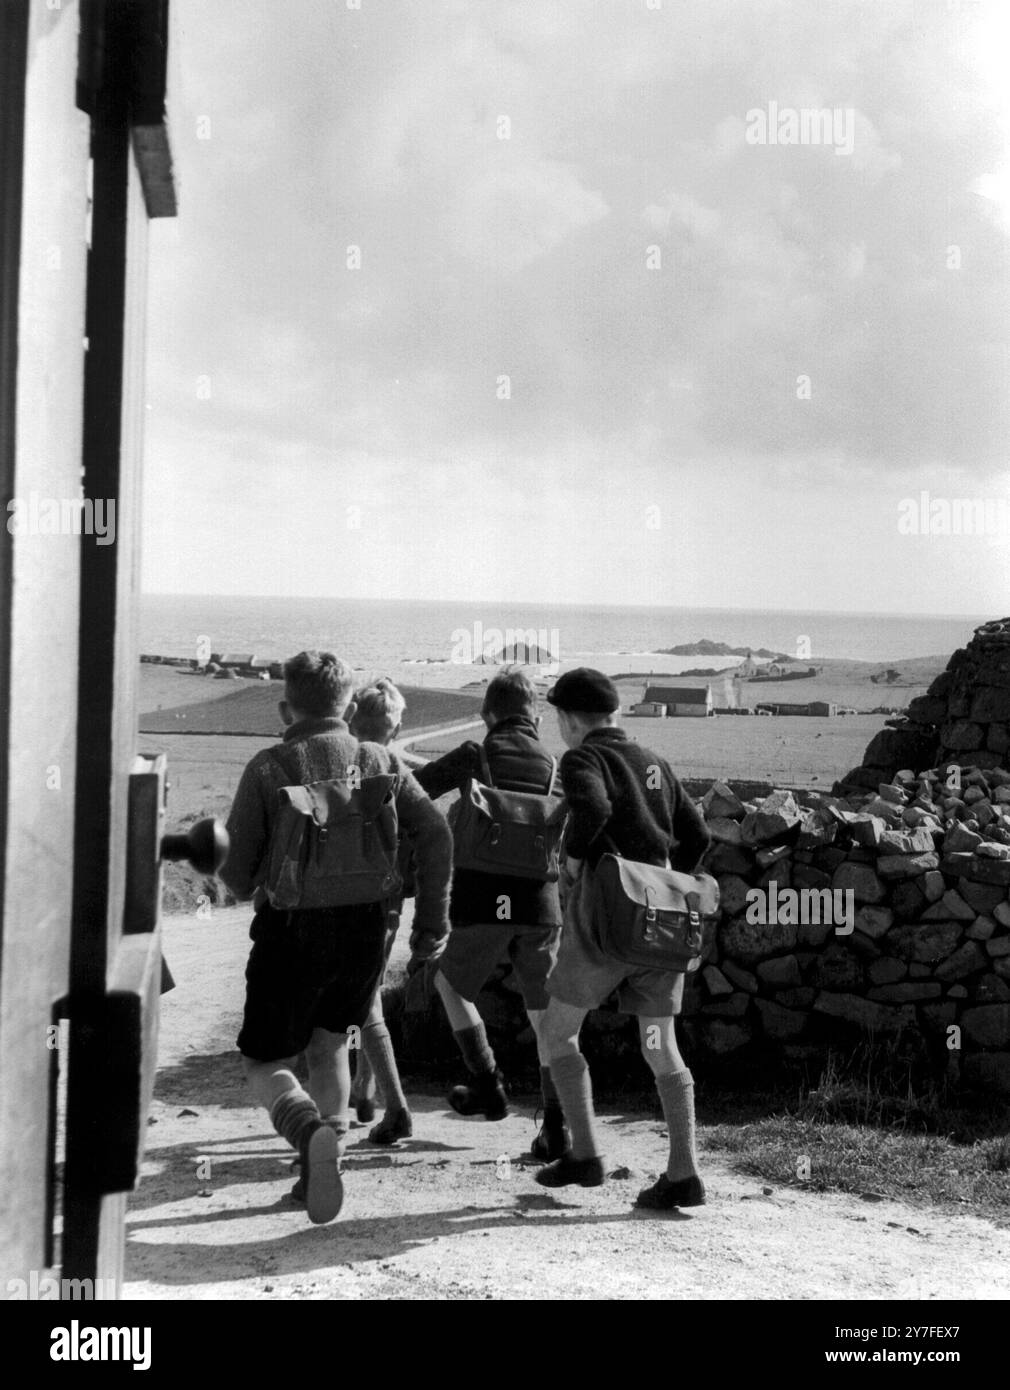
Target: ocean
[435, 643]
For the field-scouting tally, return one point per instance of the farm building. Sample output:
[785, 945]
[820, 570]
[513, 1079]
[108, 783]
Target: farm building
[650, 708]
[241, 661]
[680, 699]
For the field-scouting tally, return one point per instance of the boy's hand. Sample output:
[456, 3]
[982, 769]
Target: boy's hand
[424, 946]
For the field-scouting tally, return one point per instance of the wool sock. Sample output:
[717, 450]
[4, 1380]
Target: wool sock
[552, 1101]
[377, 1046]
[476, 1050]
[293, 1115]
[676, 1092]
[363, 1081]
[570, 1074]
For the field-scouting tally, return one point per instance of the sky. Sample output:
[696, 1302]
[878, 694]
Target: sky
[561, 302]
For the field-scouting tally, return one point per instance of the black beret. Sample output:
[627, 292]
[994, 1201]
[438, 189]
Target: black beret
[585, 691]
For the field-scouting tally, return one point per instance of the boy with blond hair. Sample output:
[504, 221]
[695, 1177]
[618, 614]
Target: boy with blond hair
[377, 719]
[312, 973]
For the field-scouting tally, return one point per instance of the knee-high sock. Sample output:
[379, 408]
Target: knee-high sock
[377, 1046]
[570, 1074]
[293, 1115]
[676, 1092]
[552, 1101]
[476, 1049]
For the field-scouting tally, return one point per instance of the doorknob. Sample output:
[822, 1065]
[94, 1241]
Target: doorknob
[205, 845]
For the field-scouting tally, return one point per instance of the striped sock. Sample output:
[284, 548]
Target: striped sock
[571, 1080]
[475, 1048]
[294, 1115]
[676, 1092]
[377, 1046]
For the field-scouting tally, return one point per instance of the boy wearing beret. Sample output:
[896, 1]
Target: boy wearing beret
[623, 799]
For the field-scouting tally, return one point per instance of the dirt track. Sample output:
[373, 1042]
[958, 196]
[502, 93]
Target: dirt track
[444, 1217]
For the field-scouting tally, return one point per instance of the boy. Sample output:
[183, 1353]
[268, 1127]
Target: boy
[379, 711]
[621, 798]
[312, 974]
[481, 934]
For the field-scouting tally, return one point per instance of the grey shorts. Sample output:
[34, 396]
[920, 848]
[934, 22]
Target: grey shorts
[473, 951]
[584, 977]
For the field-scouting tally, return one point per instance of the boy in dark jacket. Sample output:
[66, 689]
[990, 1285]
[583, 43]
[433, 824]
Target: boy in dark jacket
[312, 974]
[622, 799]
[495, 915]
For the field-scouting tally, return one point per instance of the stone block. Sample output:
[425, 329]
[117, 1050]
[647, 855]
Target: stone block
[733, 892]
[721, 800]
[780, 972]
[874, 921]
[990, 705]
[866, 1014]
[861, 880]
[743, 979]
[983, 897]
[795, 998]
[716, 980]
[733, 1007]
[748, 942]
[926, 942]
[835, 968]
[981, 929]
[725, 831]
[905, 993]
[959, 840]
[966, 960]
[887, 970]
[772, 820]
[728, 859]
[961, 736]
[902, 866]
[998, 947]
[990, 989]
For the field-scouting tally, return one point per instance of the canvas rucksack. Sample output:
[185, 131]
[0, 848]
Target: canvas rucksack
[516, 834]
[650, 917]
[334, 843]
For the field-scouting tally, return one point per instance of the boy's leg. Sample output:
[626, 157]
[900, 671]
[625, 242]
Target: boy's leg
[330, 1079]
[363, 1081]
[680, 1185]
[377, 1048]
[295, 1116]
[533, 953]
[561, 1025]
[486, 1096]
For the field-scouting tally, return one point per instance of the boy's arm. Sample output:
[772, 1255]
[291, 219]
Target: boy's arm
[248, 832]
[447, 773]
[431, 840]
[692, 836]
[589, 806]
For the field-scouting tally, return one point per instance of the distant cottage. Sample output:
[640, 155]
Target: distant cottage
[673, 700]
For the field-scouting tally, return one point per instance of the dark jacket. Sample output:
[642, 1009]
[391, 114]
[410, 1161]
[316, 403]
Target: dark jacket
[317, 750]
[520, 763]
[623, 796]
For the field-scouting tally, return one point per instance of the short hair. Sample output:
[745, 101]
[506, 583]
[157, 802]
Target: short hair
[318, 683]
[380, 708]
[511, 692]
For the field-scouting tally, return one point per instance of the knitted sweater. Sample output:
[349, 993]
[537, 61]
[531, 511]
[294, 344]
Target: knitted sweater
[317, 750]
[622, 795]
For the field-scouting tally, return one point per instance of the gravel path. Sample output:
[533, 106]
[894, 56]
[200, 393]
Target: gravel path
[454, 1213]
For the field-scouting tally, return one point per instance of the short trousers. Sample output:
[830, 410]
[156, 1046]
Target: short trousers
[473, 950]
[584, 977]
[310, 970]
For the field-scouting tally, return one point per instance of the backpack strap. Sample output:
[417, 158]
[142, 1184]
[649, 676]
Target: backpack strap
[485, 766]
[554, 776]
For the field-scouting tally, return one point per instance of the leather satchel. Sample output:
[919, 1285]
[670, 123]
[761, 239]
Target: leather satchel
[512, 833]
[652, 918]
